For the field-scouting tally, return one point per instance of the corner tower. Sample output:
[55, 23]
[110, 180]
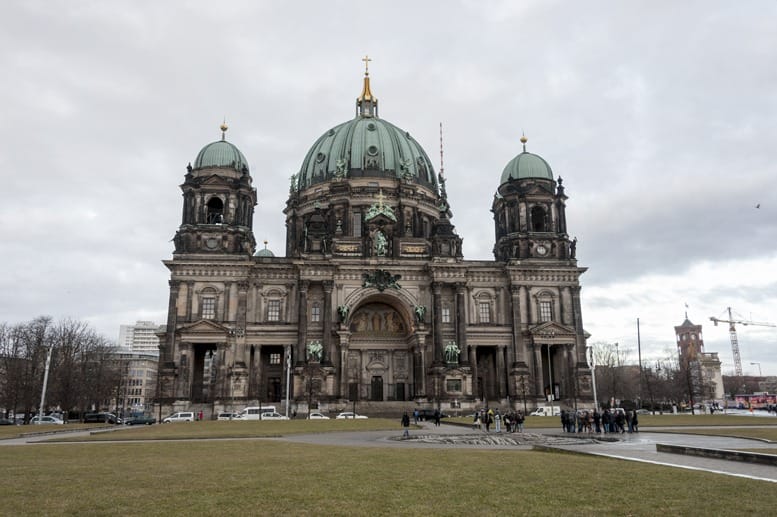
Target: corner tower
[529, 212]
[218, 202]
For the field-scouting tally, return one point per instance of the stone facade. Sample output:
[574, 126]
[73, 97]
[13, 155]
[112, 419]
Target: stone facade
[373, 301]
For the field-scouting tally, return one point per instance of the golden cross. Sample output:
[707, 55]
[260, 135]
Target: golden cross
[366, 60]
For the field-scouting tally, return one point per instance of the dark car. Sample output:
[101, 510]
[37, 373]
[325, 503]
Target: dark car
[140, 420]
[428, 414]
[7, 421]
[107, 418]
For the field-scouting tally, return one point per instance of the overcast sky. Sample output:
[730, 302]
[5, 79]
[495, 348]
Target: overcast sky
[661, 117]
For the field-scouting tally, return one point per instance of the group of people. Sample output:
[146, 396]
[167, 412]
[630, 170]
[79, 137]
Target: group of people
[510, 422]
[609, 421]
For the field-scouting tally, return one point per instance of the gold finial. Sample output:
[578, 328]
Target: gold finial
[366, 60]
[265, 244]
[523, 141]
[224, 128]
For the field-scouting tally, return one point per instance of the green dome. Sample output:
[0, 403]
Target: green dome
[264, 253]
[221, 154]
[527, 165]
[366, 146]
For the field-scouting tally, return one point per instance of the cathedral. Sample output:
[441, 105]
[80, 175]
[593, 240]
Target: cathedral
[373, 302]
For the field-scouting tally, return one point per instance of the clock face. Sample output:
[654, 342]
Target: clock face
[211, 243]
[541, 250]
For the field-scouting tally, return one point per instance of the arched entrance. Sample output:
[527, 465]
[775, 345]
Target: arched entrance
[379, 362]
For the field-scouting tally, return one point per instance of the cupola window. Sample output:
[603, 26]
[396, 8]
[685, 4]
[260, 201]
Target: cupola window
[539, 219]
[215, 214]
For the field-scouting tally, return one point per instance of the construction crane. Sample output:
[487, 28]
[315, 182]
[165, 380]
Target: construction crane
[732, 332]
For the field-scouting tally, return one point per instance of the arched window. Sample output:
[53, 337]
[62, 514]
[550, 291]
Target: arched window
[539, 222]
[215, 214]
[208, 302]
[545, 306]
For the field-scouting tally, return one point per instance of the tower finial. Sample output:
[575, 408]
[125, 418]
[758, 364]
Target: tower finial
[366, 103]
[524, 140]
[442, 168]
[366, 60]
[224, 128]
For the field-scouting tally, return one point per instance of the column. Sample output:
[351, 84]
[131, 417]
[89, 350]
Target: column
[327, 341]
[578, 319]
[437, 343]
[342, 372]
[189, 297]
[517, 355]
[172, 319]
[302, 321]
[501, 379]
[461, 324]
[473, 361]
[539, 374]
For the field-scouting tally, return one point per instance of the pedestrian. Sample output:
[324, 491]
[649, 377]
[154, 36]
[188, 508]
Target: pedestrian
[497, 422]
[635, 422]
[437, 418]
[406, 425]
[199, 415]
[521, 419]
[476, 422]
[415, 416]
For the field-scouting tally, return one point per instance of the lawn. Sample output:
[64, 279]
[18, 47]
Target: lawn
[15, 431]
[260, 477]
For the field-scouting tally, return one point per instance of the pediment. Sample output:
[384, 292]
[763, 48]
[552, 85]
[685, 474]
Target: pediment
[206, 327]
[552, 331]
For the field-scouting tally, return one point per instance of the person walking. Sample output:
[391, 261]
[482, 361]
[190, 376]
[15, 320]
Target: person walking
[415, 416]
[497, 422]
[406, 425]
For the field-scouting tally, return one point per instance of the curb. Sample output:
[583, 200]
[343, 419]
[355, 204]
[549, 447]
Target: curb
[719, 454]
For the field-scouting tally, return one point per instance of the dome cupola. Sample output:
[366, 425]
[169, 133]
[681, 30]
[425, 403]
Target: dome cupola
[221, 154]
[526, 165]
[366, 146]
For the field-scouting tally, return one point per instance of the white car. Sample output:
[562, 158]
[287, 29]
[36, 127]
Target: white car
[227, 416]
[273, 416]
[347, 415]
[46, 420]
[181, 416]
[317, 416]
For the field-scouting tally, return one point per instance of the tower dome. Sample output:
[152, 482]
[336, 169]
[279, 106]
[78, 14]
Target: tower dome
[526, 165]
[366, 146]
[221, 154]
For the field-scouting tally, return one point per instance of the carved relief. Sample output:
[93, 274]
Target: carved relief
[377, 319]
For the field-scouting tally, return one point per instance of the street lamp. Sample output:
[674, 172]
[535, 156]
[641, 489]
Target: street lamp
[759, 368]
[591, 359]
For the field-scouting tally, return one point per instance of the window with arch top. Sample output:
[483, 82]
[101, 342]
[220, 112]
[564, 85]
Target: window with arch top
[539, 219]
[215, 211]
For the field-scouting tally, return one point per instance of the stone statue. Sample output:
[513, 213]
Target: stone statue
[343, 310]
[380, 244]
[452, 352]
[573, 248]
[315, 351]
[420, 313]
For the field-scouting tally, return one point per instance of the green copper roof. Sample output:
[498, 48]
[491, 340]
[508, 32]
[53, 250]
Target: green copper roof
[366, 146]
[527, 165]
[221, 154]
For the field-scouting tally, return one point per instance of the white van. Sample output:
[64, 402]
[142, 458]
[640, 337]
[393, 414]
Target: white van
[181, 416]
[546, 411]
[255, 412]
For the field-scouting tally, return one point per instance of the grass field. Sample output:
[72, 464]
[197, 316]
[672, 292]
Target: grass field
[14, 431]
[260, 477]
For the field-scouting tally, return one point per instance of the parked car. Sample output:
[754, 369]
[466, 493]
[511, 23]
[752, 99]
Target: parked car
[546, 411]
[428, 414]
[317, 416]
[228, 415]
[273, 416]
[347, 415]
[46, 420]
[108, 418]
[181, 416]
[7, 421]
[140, 420]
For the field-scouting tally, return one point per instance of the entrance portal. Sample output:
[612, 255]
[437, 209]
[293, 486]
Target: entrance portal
[376, 391]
